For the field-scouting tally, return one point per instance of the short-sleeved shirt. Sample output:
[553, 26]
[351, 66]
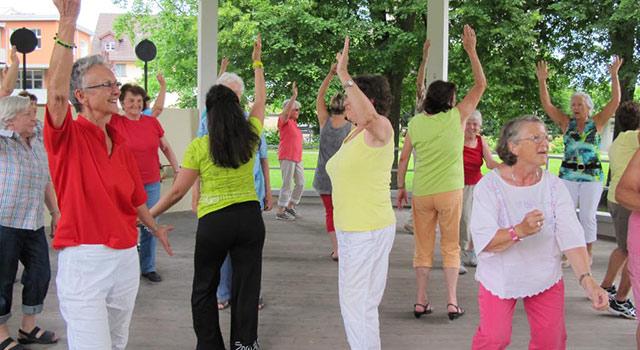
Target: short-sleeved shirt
[330, 141]
[438, 141]
[532, 265]
[290, 147]
[472, 159]
[220, 187]
[24, 175]
[258, 174]
[143, 139]
[581, 149]
[620, 153]
[98, 193]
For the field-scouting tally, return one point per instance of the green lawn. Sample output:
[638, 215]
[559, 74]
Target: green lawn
[310, 159]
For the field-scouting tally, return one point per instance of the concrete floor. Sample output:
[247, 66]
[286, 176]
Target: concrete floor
[300, 291]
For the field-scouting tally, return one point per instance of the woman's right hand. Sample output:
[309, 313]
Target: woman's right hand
[68, 9]
[257, 49]
[541, 71]
[468, 38]
[615, 66]
[531, 224]
[401, 197]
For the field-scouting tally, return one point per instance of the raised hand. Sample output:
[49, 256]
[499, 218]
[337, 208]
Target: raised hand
[14, 55]
[294, 91]
[257, 49]
[541, 71]
[68, 9]
[342, 58]
[223, 65]
[615, 65]
[161, 80]
[468, 38]
[425, 49]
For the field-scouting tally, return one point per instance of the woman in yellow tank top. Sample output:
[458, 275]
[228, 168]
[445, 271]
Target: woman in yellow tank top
[364, 220]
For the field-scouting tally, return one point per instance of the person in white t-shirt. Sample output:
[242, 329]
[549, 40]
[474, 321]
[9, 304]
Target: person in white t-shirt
[522, 221]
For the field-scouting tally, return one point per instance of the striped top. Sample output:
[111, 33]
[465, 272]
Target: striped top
[24, 174]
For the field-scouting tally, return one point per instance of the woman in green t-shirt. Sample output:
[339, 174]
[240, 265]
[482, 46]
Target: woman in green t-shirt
[229, 215]
[437, 135]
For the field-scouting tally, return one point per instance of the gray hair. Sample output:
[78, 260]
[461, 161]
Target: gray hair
[587, 99]
[476, 115]
[286, 102]
[11, 106]
[509, 134]
[78, 71]
[227, 78]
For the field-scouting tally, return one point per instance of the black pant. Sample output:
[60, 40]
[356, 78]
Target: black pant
[238, 230]
[30, 247]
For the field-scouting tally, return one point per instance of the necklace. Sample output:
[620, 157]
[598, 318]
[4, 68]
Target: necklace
[513, 176]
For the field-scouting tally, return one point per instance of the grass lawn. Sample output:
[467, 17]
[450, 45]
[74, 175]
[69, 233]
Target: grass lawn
[310, 160]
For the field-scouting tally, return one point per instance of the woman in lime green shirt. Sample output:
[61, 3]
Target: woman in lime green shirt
[229, 215]
[438, 138]
[360, 173]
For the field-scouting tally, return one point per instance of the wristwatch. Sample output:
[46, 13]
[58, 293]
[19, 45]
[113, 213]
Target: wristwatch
[514, 234]
[347, 84]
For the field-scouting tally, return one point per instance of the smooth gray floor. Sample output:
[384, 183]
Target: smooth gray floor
[300, 289]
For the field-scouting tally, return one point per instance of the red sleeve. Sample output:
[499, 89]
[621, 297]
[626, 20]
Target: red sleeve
[139, 195]
[57, 139]
[281, 123]
[158, 127]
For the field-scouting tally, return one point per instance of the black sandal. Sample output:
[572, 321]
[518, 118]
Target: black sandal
[47, 337]
[457, 314]
[426, 310]
[7, 342]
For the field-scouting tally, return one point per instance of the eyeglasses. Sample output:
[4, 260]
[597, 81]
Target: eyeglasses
[537, 139]
[108, 84]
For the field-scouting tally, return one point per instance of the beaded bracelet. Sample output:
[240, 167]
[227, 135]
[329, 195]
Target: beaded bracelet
[63, 43]
[257, 64]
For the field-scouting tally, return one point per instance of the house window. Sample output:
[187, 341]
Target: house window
[120, 70]
[35, 79]
[110, 46]
[38, 33]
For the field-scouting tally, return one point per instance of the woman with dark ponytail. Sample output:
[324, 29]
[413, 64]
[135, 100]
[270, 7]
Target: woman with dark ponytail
[229, 214]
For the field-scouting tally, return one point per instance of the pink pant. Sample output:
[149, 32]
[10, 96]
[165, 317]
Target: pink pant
[545, 313]
[633, 246]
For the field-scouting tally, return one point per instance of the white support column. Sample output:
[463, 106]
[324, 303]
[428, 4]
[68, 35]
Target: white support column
[438, 34]
[207, 48]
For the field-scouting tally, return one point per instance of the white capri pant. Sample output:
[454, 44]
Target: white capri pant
[291, 172]
[586, 196]
[362, 277]
[97, 288]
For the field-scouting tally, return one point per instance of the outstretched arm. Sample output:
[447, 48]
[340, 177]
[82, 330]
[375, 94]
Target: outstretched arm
[260, 90]
[420, 82]
[10, 74]
[561, 119]
[158, 105]
[471, 100]
[610, 109]
[284, 115]
[321, 106]
[61, 62]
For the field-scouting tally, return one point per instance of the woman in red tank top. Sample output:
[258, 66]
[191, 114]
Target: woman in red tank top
[475, 152]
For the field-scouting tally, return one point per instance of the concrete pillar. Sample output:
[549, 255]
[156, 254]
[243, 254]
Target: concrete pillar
[207, 48]
[438, 34]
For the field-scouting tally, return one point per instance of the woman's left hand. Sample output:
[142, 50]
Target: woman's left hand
[615, 65]
[598, 296]
[342, 58]
[257, 49]
[161, 80]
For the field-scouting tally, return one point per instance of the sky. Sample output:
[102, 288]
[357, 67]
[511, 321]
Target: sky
[89, 11]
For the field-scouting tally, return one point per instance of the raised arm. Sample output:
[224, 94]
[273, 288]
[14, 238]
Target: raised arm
[610, 109]
[403, 164]
[363, 112]
[558, 117]
[471, 100]
[321, 105]
[158, 105]
[10, 74]
[284, 115]
[260, 89]
[223, 66]
[59, 75]
[420, 82]
[486, 154]
[628, 189]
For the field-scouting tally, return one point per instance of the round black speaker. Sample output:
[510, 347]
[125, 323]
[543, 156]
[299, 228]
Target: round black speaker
[24, 40]
[146, 50]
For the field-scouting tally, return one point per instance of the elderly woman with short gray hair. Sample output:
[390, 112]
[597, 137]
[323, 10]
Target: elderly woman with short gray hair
[522, 221]
[101, 196]
[24, 189]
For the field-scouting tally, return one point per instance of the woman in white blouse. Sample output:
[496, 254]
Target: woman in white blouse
[523, 220]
